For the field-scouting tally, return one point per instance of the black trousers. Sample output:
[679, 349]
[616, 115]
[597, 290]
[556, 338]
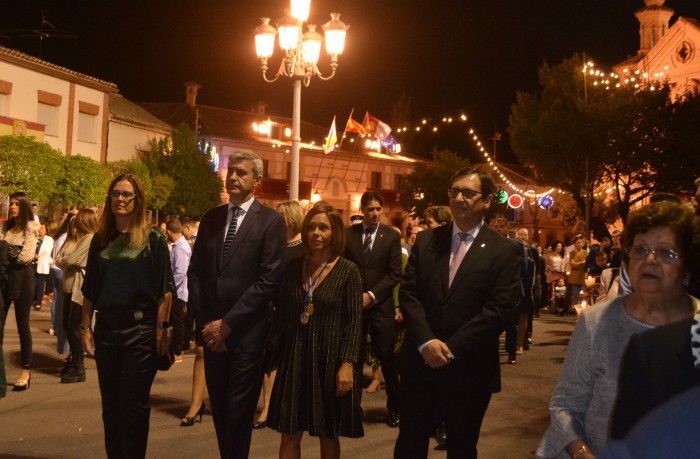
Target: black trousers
[381, 330]
[178, 320]
[233, 382]
[463, 401]
[126, 366]
[72, 320]
[19, 289]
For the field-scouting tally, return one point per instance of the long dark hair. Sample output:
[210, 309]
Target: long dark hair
[107, 227]
[25, 212]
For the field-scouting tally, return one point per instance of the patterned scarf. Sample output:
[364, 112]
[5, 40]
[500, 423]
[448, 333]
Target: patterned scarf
[695, 339]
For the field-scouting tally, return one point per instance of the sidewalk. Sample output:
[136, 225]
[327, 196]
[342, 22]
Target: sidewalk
[53, 420]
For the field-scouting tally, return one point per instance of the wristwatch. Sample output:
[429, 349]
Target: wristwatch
[163, 324]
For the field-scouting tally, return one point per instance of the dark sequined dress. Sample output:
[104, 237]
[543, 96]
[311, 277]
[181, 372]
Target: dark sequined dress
[303, 397]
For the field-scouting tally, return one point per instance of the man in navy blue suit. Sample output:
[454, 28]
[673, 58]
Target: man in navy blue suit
[237, 267]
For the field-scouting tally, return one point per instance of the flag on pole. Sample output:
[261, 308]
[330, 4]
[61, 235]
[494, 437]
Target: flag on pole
[354, 126]
[331, 140]
[389, 143]
[376, 127]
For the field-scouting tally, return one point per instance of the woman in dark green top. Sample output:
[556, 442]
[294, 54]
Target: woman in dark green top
[129, 283]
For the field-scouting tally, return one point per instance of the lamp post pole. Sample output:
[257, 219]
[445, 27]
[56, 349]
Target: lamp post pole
[301, 53]
[296, 140]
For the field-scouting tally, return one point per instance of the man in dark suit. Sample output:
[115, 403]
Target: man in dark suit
[457, 293]
[376, 250]
[237, 266]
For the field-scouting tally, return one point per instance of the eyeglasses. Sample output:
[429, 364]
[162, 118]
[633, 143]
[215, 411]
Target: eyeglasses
[126, 195]
[667, 256]
[466, 193]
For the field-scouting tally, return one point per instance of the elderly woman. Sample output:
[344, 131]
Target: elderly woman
[21, 232]
[129, 283]
[661, 363]
[656, 241]
[317, 326]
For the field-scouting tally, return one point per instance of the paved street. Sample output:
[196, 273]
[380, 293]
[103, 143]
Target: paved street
[53, 420]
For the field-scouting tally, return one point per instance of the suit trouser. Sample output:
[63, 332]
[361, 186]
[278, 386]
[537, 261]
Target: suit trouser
[464, 404]
[126, 367]
[178, 319]
[381, 330]
[233, 382]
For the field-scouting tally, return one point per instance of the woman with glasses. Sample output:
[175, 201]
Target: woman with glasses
[129, 284]
[661, 253]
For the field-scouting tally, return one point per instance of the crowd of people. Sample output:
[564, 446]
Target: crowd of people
[294, 304]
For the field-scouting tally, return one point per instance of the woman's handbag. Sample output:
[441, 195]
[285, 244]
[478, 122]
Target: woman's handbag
[166, 360]
[13, 252]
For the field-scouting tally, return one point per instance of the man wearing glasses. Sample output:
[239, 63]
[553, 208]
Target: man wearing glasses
[458, 292]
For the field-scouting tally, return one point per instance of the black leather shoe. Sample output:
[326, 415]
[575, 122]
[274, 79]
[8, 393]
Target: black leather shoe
[260, 424]
[393, 420]
[74, 375]
[511, 359]
[526, 346]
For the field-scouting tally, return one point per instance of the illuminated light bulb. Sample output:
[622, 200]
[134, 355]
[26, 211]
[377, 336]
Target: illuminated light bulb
[435, 129]
[424, 121]
[444, 120]
[417, 128]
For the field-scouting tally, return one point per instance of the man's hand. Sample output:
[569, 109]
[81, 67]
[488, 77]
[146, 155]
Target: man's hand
[162, 339]
[367, 301]
[215, 334]
[88, 342]
[344, 379]
[436, 354]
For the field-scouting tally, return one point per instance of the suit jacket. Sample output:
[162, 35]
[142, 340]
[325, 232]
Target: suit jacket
[657, 365]
[239, 288]
[470, 314]
[382, 271]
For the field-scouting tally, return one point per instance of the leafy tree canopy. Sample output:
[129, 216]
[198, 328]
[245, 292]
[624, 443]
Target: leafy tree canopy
[620, 135]
[197, 186]
[427, 185]
[84, 182]
[31, 166]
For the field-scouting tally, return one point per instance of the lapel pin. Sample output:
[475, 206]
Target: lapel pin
[483, 244]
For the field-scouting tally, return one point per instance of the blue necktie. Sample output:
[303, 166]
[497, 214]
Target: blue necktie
[367, 245]
[231, 233]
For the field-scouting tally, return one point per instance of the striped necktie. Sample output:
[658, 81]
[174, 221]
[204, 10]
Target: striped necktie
[231, 233]
[367, 245]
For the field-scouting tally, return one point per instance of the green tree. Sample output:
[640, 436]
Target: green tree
[572, 126]
[31, 166]
[163, 186]
[197, 186]
[83, 183]
[679, 165]
[427, 185]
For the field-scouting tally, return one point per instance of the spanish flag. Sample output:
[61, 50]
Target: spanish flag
[354, 126]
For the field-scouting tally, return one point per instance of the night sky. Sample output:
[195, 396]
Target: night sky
[447, 55]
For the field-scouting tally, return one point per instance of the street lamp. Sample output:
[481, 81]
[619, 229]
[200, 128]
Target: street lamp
[301, 54]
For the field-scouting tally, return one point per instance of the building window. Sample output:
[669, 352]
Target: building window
[266, 168]
[289, 171]
[86, 127]
[398, 178]
[4, 103]
[336, 189]
[48, 116]
[376, 180]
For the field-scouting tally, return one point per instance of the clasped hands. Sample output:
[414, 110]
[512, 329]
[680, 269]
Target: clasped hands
[436, 354]
[215, 334]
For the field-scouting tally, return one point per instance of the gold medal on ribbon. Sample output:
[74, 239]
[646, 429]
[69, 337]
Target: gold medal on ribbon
[304, 318]
[310, 308]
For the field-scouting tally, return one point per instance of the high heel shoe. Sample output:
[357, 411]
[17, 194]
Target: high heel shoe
[23, 384]
[189, 421]
[260, 424]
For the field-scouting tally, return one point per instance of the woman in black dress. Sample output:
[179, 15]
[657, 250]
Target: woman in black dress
[293, 215]
[317, 327]
[129, 283]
